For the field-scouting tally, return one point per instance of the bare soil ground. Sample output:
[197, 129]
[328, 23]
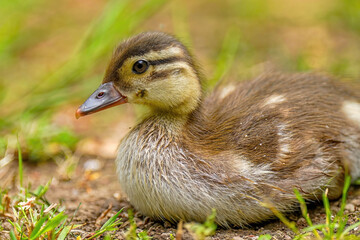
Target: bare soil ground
[99, 191]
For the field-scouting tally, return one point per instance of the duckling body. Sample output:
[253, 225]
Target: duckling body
[241, 146]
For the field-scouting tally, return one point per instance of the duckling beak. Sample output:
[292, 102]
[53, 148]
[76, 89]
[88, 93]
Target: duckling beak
[104, 97]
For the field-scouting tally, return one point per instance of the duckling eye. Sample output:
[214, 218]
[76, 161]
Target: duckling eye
[140, 66]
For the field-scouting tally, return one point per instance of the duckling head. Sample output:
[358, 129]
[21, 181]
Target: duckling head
[152, 69]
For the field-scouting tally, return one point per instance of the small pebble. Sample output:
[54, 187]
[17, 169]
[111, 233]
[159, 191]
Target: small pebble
[356, 202]
[92, 165]
[252, 237]
[301, 221]
[165, 236]
[350, 207]
[238, 238]
[117, 196]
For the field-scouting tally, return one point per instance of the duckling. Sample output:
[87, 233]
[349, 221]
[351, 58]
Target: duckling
[233, 150]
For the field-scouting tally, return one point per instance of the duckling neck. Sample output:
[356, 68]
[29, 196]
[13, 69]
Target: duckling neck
[166, 125]
[172, 119]
[152, 148]
[158, 138]
[177, 113]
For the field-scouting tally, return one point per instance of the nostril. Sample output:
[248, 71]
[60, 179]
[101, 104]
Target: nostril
[100, 95]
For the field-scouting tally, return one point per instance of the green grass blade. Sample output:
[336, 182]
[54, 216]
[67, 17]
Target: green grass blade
[24, 214]
[327, 212]
[109, 225]
[314, 227]
[111, 220]
[347, 183]
[50, 225]
[42, 190]
[107, 237]
[304, 211]
[281, 216]
[303, 207]
[348, 229]
[20, 164]
[342, 224]
[64, 233]
[12, 235]
[265, 237]
[15, 225]
[66, 230]
[75, 212]
[37, 227]
[98, 233]
[59, 229]
[31, 214]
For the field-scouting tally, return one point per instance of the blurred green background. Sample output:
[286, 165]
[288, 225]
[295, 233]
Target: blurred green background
[53, 55]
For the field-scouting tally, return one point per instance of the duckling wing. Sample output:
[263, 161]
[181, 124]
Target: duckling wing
[299, 126]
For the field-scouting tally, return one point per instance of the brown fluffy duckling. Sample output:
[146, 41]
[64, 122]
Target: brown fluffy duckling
[242, 145]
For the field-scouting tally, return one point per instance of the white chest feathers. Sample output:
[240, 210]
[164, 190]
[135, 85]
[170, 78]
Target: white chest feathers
[161, 181]
[152, 173]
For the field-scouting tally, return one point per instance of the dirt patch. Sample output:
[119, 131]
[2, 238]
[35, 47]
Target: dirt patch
[97, 191]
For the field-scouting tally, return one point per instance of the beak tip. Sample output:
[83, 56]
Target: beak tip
[78, 114]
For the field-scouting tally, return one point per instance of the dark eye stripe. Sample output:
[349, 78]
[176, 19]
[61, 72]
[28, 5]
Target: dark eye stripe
[159, 75]
[166, 60]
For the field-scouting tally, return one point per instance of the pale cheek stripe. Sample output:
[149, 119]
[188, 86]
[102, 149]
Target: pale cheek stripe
[166, 60]
[165, 53]
[170, 66]
[168, 53]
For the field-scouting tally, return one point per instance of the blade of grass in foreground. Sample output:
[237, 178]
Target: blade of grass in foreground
[340, 218]
[37, 227]
[12, 235]
[329, 230]
[348, 229]
[111, 220]
[50, 225]
[281, 216]
[334, 227]
[347, 183]
[305, 212]
[109, 225]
